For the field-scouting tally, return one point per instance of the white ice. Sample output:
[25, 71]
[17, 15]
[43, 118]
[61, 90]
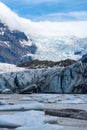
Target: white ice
[22, 107]
[27, 119]
[4, 68]
[2, 102]
[31, 116]
[54, 98]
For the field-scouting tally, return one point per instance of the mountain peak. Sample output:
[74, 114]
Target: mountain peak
[14, 45]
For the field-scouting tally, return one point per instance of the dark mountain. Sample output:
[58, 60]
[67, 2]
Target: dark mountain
[14, 46]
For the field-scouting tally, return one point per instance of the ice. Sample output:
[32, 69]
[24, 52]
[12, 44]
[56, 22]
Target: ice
[3, 129]
[29, 119]
[41, 127]
[22, 107]
[50, 127]
[72, 101]
[59, 48]
[31, 116]
[4, 67]
[2, 102]
[54, 98]
[46, 80]
[32, 120]
[8, 124]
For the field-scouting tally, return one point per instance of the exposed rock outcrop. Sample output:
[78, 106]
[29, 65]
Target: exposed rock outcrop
[14, 46]
[45, 64]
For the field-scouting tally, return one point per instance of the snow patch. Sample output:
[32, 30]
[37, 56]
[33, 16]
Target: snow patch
[4, 68]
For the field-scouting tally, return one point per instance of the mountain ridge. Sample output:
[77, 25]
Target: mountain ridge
[14, 45]
[41, 40]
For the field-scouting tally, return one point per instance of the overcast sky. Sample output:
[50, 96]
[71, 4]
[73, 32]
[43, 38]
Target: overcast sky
[51, 10]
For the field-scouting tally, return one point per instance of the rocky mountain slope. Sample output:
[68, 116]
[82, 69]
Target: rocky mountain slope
[14, 45]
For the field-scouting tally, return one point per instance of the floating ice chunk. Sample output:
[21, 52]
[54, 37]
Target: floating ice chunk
[23, 107]
[2, 102]
[50, 127]
[3, 129]
[41, 127]
[6, 91]
[8, 124]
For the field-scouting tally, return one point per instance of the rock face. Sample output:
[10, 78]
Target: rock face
[71, 79]
[14, 45]
[45, 64]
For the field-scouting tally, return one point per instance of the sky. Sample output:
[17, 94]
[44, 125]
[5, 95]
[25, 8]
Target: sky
[49, 10]
[46, 17]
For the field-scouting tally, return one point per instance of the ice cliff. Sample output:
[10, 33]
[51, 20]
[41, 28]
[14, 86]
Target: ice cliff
[70, 79]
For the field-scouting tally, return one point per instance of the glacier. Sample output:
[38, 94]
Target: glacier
[70, 79]
[59, 48]
[54, 40]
